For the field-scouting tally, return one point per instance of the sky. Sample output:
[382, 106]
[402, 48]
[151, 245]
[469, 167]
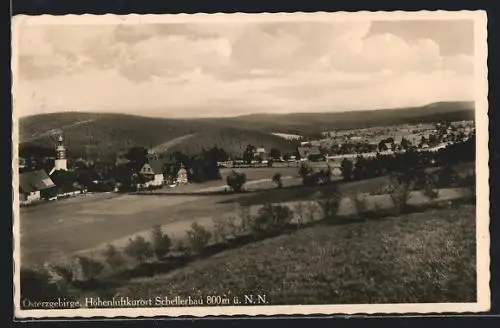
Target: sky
[233, 68]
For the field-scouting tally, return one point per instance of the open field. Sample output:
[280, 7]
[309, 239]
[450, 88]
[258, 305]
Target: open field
[420, 257]
[68, 226]
[257, 178]
[62, 228]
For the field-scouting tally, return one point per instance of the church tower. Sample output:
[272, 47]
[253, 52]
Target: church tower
[60, 162]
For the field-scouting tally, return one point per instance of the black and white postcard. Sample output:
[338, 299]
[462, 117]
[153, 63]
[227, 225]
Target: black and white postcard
[250, 164]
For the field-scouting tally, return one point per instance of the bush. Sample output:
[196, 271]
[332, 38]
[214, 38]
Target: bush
[329, 203]
[429, 187]
[300, 209]
[346, 168]
[65, 271]
[160, 242]
[236, 180]
[113, 258]
[245, 218]
[90, 268]
[310, 180]
[469, 181]
[231, 225]
[139, 249]
[198, 237]
[277, 180]
[360, 204]
[180, 247]
[221, 228]
[311, 210]
[447, 177]
[272, 218]
[399, 195]
[304, 170]
[36, 286]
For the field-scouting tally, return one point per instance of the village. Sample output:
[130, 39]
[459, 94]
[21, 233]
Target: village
[142, 169]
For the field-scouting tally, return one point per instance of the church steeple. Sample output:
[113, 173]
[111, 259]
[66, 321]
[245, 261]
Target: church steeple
[60, 162]
[60, 150]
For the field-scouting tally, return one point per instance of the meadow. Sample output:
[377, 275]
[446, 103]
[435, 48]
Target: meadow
[419, 248]
[411, 258]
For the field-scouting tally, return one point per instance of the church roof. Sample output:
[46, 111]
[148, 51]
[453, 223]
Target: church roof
[35, 180]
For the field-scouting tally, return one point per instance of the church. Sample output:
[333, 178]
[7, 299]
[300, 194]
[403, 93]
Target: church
[36, 185]
[60, 162]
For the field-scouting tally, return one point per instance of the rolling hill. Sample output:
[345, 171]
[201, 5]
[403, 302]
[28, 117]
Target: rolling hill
[103, 135]
[310, 123]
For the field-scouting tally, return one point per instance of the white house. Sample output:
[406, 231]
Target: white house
[153, 171]
[34, 185]
[182, 177]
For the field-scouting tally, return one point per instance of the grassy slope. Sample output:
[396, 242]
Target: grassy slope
[422, 257]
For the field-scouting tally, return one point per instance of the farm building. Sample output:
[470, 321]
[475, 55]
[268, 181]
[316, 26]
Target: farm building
[311, 153]
[34, 186]
[260, 154]
[153, 172]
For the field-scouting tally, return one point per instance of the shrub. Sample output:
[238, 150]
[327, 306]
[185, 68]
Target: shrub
[36, 286]
[329, 203]
[139, 249]
[429, 187]
[277, 180]
[198, 237]
[469, 181]
[180, 247]
[113, 258]
[300, 209]
[160, 242]
[236, 180]
[221, 228]
[304, 170]
[245, 218]
[346, 168]
[400, 195]
[90, 268]
[447, 177]
[65, 271]
[311, 210]
[310, 180]
[272, 218]
[360, 204]
[231, 225]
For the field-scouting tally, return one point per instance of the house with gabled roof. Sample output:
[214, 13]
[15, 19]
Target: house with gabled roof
[153, 171]
[34, 186]
[311, 153]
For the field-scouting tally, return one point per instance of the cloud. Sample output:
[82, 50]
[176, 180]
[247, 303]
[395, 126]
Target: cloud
[227, 69]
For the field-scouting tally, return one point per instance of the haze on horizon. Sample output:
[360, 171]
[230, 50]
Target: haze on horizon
[229, 69]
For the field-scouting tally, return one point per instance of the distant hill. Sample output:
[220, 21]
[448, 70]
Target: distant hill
[103, 135]
[306, 123]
